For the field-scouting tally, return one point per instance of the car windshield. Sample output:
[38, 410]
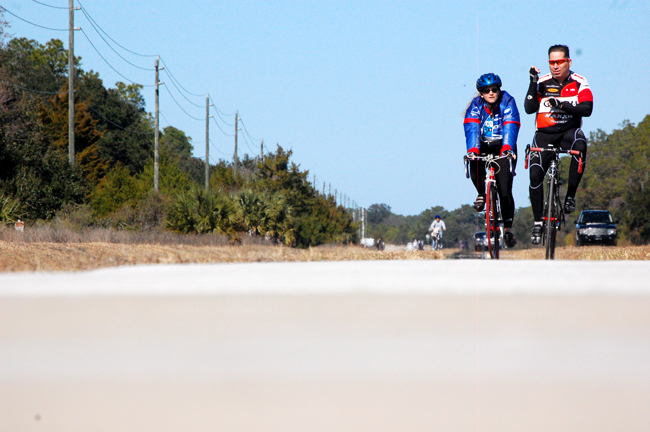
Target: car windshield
[596, 217]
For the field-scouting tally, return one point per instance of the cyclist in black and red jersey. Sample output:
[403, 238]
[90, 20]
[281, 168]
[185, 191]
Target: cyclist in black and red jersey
[561, 99]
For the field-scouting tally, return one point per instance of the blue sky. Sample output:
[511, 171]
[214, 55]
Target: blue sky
[369, 95]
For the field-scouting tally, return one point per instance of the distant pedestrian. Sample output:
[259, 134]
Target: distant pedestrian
[20, 225]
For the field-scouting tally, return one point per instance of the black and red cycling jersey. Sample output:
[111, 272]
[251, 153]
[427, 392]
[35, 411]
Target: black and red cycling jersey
[574, 96]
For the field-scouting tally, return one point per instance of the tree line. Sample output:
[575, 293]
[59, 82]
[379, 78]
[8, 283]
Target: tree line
[111, 183]
[617, 178]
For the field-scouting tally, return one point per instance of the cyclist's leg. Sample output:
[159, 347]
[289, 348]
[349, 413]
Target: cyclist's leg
[504, 189]
[538, 164]
[575, 140]
[477, 173]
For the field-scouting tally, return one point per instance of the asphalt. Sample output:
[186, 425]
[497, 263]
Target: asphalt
[344, 346]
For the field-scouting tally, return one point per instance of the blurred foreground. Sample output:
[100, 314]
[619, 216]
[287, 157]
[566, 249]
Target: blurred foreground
[340, 346]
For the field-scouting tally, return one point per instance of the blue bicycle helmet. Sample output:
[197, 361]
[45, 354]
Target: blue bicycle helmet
[437, 217]
[488, 79]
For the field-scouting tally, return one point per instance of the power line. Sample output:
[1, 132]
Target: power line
[108, 36]
[219, 111]
[225, 122]
[222, 131]
[111, 47]
[29, 22]
[169, 72]
[53, 7]
[89, 106]
[246, 130]
[32, 91]
[111, 66]
[179, 105]
[246, 140]
[163, 116]
[215, 147]
[118, 126]
[180, 92]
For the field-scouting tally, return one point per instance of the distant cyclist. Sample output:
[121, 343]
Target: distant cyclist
[436, 228]
[561, 99]
[491, 127]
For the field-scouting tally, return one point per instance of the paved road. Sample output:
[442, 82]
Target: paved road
[351, 346]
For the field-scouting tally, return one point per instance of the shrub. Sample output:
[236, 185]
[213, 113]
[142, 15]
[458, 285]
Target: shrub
[196, 211]
[10, 208]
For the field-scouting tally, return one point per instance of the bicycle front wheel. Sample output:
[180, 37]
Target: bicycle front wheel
[492, 222]
[551, 220]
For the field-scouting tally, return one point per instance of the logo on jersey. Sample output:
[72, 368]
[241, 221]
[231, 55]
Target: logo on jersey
[475, 112]
[557, 116]
[552, 90]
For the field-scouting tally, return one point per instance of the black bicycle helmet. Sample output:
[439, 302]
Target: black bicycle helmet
[488, 79]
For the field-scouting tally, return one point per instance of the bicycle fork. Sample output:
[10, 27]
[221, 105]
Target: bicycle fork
[551, 177]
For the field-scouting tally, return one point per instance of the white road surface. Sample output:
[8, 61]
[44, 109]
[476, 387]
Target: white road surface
[338, 346]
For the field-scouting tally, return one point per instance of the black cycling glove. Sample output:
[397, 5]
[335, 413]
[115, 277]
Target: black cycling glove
[554, 103]
[534, 75]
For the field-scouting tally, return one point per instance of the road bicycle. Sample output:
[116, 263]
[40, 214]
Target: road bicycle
[553, 215]
[436, 239]
[493, 219]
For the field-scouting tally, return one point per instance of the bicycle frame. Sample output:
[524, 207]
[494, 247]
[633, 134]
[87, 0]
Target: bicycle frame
[553, 215]
[493, 217]
[437, 241]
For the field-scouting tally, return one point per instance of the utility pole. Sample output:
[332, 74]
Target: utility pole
[156, 150]
[71, 73]
[262, 149]
[207, 143]
[363, 223]
[235, 159]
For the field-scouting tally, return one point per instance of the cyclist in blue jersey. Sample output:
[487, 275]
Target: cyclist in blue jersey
[491, 127]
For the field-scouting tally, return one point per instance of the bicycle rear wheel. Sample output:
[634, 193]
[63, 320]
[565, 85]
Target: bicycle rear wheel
[551, 220]
[492, 222]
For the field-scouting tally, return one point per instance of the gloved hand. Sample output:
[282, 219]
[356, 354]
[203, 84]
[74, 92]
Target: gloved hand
[472, 153]
[534, 75]
[554, 103]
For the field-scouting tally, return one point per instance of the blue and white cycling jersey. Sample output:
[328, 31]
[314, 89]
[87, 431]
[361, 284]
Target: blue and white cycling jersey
[484, 127]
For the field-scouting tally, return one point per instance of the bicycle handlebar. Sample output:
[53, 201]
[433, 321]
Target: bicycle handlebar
[487, 158]
[556, 151]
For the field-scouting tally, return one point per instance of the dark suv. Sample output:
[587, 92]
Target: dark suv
[595, 227]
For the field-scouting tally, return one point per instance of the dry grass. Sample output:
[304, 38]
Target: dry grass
[57, 248]
[589, 253]
[47, 256]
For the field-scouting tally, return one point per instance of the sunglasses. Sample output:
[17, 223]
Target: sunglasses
[558, 62]
[494, 90]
